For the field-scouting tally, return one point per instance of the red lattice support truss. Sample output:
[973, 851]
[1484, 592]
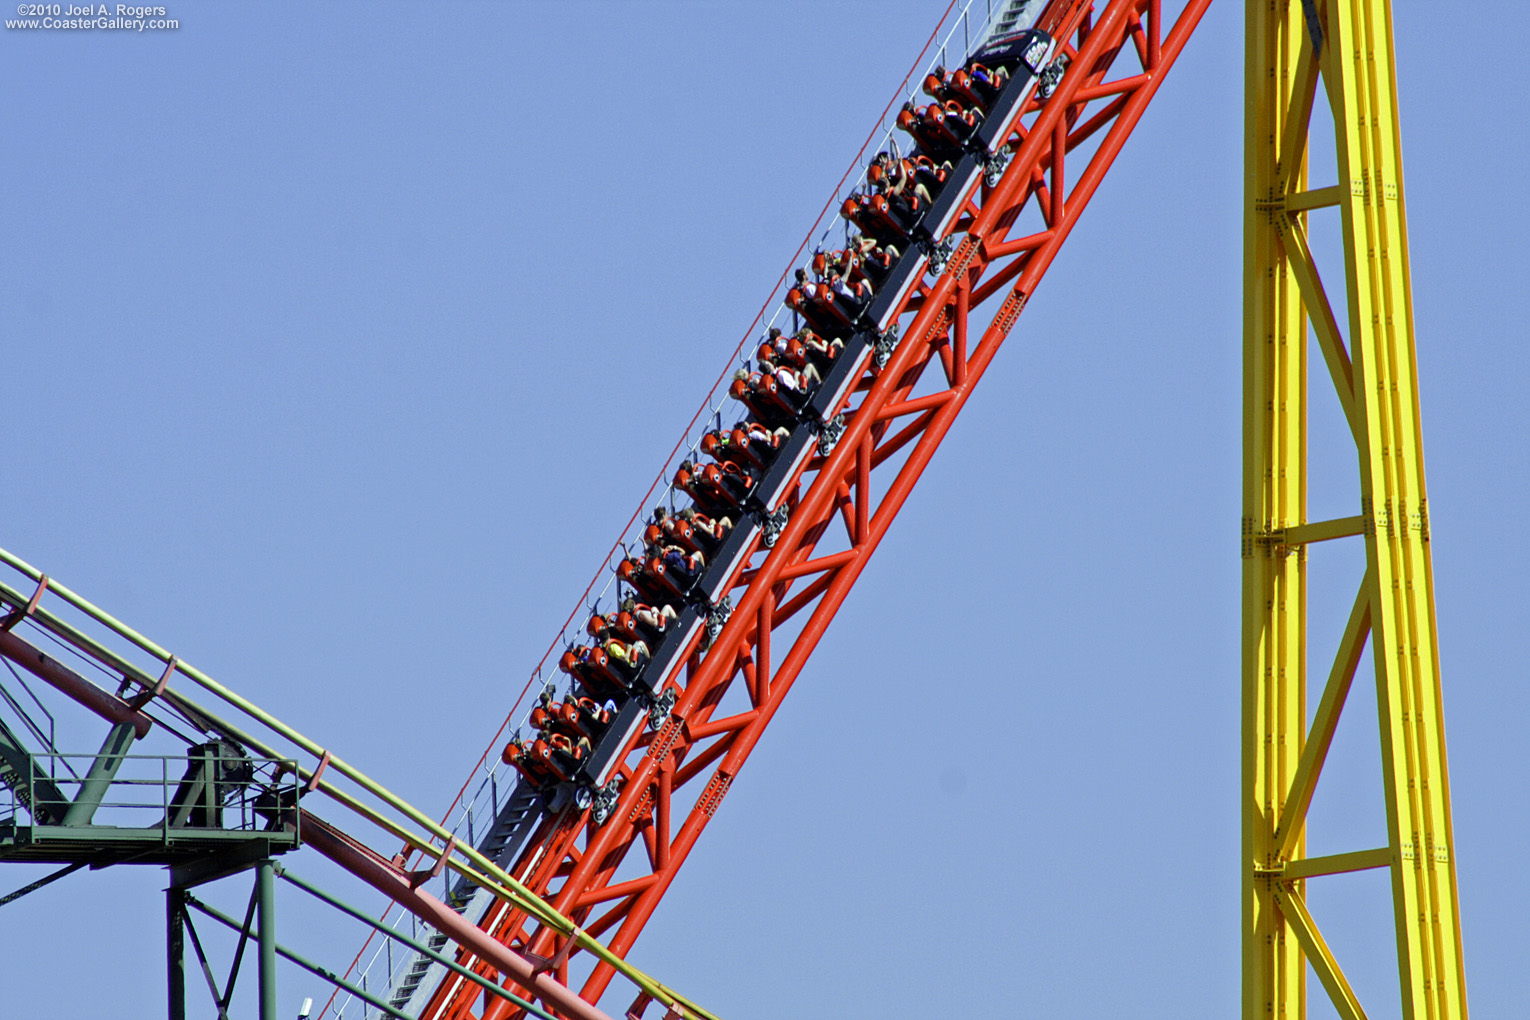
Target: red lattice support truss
[675, 778]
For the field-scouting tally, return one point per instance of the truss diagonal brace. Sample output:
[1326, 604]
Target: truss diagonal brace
[1318, 953]
[1293, 816]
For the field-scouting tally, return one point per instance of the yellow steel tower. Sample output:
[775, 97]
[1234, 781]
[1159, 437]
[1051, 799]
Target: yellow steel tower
[1292, 47]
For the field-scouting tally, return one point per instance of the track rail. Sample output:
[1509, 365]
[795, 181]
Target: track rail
[673, 779]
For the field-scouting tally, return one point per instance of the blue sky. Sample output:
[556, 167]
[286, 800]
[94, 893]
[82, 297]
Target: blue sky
[340, 342]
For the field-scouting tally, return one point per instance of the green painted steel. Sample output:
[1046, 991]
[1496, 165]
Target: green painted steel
[99, 779]
[476, 868]
[175, 951]
[147, 819]
[306, 964]
[414, 944]
[31, 887]
[27, 781]
[266, 924]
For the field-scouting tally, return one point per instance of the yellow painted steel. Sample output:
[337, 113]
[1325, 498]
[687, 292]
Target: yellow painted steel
[1368, 350]
[1274, 499]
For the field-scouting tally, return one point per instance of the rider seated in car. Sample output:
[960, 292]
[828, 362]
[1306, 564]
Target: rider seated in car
[986, 83]
[672, 572]
[750, 449]
[654, 621]
[816, 302]
[975, 86]
[954, 117]
[531, 762]
[820, 352]
[629, 654]
[551, 758]
[896, 177]
[853, 294]
[601, 626]
[590, 666]
[936, 85]
[796, 383]
[878, 218]
[574, 716]
[635, 573]
[930, 131]
[692, 480]
[872, 261]
[672, 530]
[762, 395]
[783, 348]
[709, 529]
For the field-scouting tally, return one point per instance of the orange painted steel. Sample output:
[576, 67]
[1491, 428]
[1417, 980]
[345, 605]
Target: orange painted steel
[894, 418]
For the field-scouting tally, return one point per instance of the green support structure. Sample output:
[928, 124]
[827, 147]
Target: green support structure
[102, 771]
[29, 783]
[266, 924]
[175, 951]
[259, 922]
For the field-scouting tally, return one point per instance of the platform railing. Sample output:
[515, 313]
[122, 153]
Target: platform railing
[64, 615]
[143, 794]
[140, 666]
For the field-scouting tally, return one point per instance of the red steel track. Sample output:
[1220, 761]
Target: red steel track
[785, 596]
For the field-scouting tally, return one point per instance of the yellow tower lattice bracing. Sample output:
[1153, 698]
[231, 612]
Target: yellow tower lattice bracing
[1293, 48]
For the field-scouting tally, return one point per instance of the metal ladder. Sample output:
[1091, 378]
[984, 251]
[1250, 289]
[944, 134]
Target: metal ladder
[516, 820]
